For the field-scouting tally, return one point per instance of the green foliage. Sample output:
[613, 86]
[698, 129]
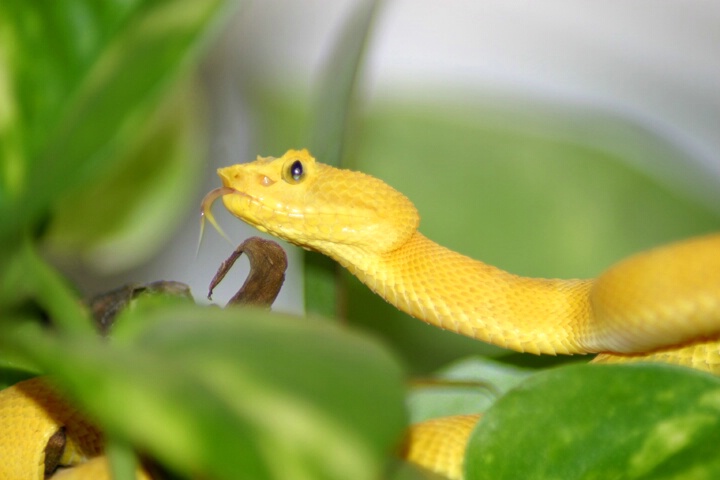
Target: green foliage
[143, 197]
[81, 79]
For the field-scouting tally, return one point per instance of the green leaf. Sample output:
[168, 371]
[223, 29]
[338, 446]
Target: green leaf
[602, 422]
[28, 277]
[82, 78]
[123, 461]
[468, 386]
[236, 393]
[144, 196]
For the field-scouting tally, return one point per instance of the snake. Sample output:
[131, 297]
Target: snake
[661, 305]
[45, 436]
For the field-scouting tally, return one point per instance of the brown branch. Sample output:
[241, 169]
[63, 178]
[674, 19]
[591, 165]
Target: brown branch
[268, 263]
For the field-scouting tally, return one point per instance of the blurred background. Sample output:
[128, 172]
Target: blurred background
[549, 138]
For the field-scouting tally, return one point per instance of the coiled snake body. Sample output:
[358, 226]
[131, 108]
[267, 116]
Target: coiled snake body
[661, 305]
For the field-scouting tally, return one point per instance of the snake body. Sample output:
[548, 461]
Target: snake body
[42, 434]
[661, 305]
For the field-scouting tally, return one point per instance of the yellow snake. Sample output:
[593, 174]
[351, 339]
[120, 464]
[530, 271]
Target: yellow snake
[31, 414]
[662, 305]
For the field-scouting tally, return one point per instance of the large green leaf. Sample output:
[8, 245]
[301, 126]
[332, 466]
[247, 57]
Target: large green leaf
[602, 422]
[235, 393]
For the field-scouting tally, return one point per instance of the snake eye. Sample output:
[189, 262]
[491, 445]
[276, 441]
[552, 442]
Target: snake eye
[295, 172]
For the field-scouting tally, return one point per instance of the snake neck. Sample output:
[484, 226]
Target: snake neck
[457, 293]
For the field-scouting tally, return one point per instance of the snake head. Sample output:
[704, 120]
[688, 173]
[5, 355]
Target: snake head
[317, 206]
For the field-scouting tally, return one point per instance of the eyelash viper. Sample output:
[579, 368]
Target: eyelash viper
[659, 305]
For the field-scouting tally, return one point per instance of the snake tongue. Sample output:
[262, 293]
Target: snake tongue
[206, 212]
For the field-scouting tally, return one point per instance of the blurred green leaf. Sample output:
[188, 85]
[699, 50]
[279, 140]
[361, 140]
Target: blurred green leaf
[599, 422]
[468, 386]
[123, 461]
[144, 196]
[28, 279]
[80, 80]
[236, 392]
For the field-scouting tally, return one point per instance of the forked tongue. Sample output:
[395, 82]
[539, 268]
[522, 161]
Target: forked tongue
[206, 212]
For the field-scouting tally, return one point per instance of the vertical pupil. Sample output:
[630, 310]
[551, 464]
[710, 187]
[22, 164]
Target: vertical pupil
[296, 170]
